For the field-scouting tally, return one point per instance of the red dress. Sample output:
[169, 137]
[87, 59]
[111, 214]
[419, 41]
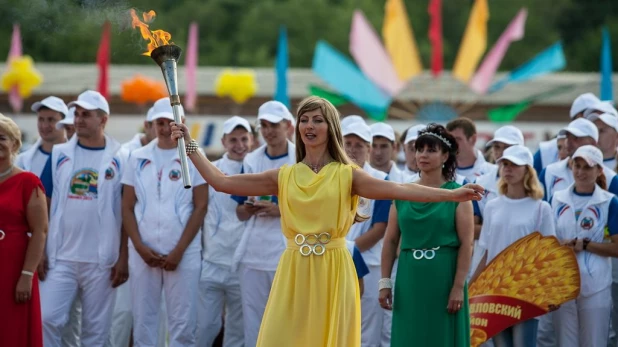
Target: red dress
[20, 324]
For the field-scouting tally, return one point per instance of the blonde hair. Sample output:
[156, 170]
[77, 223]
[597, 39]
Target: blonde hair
[532, 186]
[335, 137]
[8, 126]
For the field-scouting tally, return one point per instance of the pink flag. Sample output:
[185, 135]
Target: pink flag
[191, 69]
[15, 52]
[481, 80]
[371, 57]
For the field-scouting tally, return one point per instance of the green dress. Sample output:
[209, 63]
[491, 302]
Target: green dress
[422, 287]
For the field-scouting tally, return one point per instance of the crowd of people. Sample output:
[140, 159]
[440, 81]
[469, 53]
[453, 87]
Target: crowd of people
[306, 234]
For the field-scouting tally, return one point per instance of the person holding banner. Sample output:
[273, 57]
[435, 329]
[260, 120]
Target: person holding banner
[519, 194]
[583, 211]
[314, 299]
[431, 303]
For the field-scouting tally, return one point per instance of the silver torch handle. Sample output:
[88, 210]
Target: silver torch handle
[184, 161]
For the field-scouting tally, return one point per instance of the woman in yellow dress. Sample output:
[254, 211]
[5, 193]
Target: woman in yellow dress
[314, 300]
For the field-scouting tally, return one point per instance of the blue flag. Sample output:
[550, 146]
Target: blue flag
[281, 69]
[347, 79]
[607, 90]
[550, 60]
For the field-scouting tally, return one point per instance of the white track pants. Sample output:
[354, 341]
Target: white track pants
[180, 288]
[584, 322]
[58, 292]
[73, 329]
[372, 315]
[546, 334]
[254, 287]
[219, 292]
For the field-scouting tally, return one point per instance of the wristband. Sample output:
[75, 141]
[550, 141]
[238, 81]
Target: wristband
[385, 283]
[27, 273]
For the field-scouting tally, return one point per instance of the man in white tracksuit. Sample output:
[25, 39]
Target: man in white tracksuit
[383, 148]
[368, 235]
[163, 221]
[219, 285]
[548, 150]
[262, 242]
[470, 161]
[122, 321]
[86, 247]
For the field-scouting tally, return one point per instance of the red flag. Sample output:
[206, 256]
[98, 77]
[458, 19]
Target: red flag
[435, 36]
[103, 60]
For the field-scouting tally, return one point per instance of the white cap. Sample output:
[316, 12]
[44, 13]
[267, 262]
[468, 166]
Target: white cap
[583, 102]
[412, 133]
[591, 154]
[607, 118]
[149, 114]
[384, 130]
[162, 108]
[234, 122]
[601, 107]
[68, 120]
[351, 119]
[359, 129]
[508, 134]
[274, 112]
[91, 100]
[581, 127]
[518, 155]
[53, 103]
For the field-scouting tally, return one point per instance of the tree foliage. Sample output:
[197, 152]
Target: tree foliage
[244, 32]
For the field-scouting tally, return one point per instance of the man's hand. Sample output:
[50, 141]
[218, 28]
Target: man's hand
[43, 267]
[120, 271]
[171, 261]
[267, 209]
[150, 257]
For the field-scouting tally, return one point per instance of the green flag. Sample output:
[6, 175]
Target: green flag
[334, 98]
[507, 113]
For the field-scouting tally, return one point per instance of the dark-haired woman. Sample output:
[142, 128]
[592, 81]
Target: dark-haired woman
[431, 304]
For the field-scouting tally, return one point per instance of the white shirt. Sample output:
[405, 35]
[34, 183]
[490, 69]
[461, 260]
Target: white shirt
[395, 175]
[222, 228]
[479, 168]
[508, 220]
[39, 159]
[610, 163]
[81, 224]
[262, 242]
[489, 181]
[134, 143]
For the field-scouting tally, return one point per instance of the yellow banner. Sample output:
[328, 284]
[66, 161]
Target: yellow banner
[474, 42]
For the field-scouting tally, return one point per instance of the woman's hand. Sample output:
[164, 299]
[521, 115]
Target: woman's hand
[171, 261]
[468, 192]
[386, 298]
[180, 131]
[150, 257]
[576, 244]
[455, 299]
[23, 290]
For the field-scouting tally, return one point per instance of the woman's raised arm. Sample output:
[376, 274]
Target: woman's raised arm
[264, 183]
[372, 188]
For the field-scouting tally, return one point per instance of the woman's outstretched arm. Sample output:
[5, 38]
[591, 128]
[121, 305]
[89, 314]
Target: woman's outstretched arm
[372, 188]
[264, 183]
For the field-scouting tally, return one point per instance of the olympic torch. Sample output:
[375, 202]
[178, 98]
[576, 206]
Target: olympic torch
[166, 55]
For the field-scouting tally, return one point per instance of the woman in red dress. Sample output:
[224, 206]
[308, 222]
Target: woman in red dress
[23, 210]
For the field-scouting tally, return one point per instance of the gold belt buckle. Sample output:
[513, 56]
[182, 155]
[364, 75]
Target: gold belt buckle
[312, 243]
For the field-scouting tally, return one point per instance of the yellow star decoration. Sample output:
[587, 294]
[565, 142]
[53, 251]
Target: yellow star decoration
[240, 85]
[21, 73]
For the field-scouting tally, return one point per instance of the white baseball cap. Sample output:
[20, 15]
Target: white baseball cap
[607, 118]
[591, 154]
[359, 129]
[582, 103]
[53, 103]
[274, 112]
[518, 155]
[68, 120]
[91, 100]
[384, 130]
[508, 134]
[234, 122]
[149, 114]
[601, 107]
[581, 127]
[162, 108]
[412, 133]
[351, 119]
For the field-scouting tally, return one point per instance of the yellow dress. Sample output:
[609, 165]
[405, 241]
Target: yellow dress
[315, 299]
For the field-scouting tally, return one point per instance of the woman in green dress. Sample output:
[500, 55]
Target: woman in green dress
[430, 307]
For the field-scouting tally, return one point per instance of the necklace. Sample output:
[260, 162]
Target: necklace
[316, 168]
[7, 172]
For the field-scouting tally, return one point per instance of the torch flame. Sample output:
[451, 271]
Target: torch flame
[156, 38]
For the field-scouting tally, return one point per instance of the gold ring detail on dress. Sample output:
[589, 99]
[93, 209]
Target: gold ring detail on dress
[312, 243]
